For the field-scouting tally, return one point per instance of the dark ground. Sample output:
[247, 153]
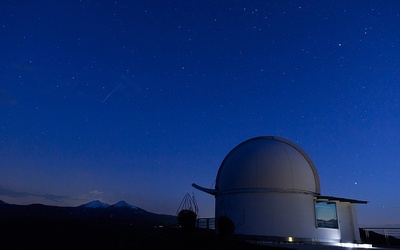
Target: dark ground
[45, 233]
[43, 227]
[198, 239]
[35, 232]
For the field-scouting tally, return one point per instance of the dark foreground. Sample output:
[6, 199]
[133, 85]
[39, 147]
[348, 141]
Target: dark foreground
[31, 232]
[39, 226]
[44, 233]
[198, 239]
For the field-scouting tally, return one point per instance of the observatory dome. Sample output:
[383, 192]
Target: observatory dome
[267, 163]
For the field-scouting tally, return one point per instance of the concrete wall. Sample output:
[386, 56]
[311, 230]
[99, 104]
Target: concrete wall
[348, 222]
[274, 214]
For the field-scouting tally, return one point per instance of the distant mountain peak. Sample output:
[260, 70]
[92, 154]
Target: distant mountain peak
[95, 204]
[124, 204]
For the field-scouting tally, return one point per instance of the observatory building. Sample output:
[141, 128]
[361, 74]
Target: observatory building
[268, 189]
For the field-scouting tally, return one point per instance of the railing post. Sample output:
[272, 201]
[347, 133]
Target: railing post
[386, 237]
[367, 236]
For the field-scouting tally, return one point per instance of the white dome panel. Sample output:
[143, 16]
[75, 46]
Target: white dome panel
[269, 163]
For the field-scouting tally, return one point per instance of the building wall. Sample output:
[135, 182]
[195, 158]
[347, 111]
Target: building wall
[274, 214]
[348, 222]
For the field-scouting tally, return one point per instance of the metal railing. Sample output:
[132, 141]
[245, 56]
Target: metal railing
[372, 235]
[390, 236]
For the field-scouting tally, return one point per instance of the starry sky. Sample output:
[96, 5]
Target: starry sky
[136, 100]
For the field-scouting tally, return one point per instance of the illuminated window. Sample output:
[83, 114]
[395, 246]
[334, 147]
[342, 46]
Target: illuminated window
[325, 213]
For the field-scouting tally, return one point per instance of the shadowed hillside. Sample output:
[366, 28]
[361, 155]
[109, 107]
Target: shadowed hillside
[48, 227]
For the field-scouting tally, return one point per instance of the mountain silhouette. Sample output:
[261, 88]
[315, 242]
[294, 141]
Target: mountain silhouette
[95, 204]
[94, 210]
[94, 225]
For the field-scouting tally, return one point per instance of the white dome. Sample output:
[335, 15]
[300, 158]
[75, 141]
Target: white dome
[267, 163]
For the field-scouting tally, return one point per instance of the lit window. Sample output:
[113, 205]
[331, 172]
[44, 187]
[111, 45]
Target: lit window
[325, 213]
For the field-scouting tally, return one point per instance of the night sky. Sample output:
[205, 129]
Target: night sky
[136, 100]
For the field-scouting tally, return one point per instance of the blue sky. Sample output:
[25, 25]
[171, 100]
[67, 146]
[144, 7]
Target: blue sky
[135, 101]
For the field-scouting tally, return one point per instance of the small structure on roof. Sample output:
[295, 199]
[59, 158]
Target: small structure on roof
[187, 212]
[268, 189]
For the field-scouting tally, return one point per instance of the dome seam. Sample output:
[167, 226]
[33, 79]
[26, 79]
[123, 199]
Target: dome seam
[291, 165]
